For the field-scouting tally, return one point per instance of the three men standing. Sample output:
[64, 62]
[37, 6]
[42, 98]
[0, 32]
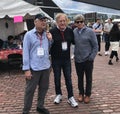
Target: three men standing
[36, 63]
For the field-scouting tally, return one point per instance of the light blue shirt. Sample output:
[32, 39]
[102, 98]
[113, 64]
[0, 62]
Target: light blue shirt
[97, 27]
[31, 58]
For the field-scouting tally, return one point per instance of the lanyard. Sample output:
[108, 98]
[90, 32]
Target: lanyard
[40, 37]
[62, 33]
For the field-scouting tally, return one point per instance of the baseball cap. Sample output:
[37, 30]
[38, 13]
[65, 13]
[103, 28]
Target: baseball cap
[40, 16]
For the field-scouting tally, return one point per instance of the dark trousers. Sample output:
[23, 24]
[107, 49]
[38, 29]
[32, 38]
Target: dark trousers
[40, 78]
[99, 42]
[113, 53]
[107, 42]
[87, 68]
[64, 65]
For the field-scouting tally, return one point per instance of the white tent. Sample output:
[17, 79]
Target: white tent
[116, 20]
[18, 7]
[11, 8]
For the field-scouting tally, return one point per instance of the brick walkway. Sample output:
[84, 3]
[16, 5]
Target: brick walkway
[104, 99]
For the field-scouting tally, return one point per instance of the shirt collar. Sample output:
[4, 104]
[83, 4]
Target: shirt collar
[61, 30]
[80, 30]
[36, 32]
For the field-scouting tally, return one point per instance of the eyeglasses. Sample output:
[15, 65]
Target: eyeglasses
[79, 22]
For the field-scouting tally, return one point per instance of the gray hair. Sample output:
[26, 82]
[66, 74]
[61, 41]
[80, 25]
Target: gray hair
[79, 17]
[59, 15]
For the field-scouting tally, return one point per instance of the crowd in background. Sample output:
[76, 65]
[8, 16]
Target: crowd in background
[12, 42]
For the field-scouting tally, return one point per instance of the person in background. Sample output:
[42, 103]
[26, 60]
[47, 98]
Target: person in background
[60, 56]
[114, 42]
[20, 38]
[107, 28]
[72, 46]
[10, 44]
[90, 24]
[36, 64]
[1, 43]
[86, 48]
[97, 28]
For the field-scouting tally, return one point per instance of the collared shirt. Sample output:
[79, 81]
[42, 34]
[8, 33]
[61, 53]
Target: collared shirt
[31, 43]
[61, 30]
[97, 26]
[107, 27]
[80, 30]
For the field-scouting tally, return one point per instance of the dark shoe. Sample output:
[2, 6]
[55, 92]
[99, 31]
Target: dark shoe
[86, 99]
[117, 59]
[110, 62]
[99, 54]
[80, 98]
[25, 113]
[43, 110]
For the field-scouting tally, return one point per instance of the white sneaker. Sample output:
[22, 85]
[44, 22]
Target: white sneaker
[72, 102]
[58, 99]
[72, 57]
[106, 53]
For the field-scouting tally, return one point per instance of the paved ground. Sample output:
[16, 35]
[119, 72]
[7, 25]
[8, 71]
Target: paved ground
[104, 99]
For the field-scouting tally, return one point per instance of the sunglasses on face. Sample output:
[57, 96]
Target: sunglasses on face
[79, 22]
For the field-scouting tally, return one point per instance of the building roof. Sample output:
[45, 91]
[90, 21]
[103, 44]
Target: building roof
[70, 6]
[47, 6]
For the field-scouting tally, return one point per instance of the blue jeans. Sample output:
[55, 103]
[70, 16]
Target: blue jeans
[107, 42]
[99, 42]
[65, 66]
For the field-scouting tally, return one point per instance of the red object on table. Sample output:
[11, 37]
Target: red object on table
[4, 53]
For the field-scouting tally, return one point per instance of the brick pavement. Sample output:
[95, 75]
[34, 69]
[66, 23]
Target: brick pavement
[104, 99]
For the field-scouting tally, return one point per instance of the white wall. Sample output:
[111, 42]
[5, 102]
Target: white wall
[18, 28]
[13, 28]
[4, 32]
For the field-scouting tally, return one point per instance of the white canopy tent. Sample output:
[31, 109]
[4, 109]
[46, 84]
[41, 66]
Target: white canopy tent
[11, 8]
[18, 7]
[116, 20]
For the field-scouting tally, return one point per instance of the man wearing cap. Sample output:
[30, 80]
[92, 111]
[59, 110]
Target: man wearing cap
[36, 64]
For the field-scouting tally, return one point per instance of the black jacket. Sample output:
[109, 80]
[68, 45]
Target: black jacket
[114, 36]
[56, 48]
